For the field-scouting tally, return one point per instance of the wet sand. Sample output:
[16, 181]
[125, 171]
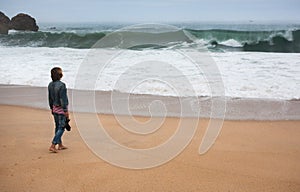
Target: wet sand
[247, 156]
[108, 102]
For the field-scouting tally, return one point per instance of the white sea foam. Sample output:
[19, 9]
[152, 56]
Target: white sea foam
[231, 43]
[245, 74]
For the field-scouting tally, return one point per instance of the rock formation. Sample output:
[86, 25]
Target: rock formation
[4, 23]
[23, 22]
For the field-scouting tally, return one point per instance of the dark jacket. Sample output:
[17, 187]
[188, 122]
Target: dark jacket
[57, 95]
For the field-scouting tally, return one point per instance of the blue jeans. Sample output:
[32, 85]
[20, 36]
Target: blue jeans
[60, 121]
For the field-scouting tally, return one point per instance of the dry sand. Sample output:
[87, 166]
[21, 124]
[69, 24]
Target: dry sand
[247, 156]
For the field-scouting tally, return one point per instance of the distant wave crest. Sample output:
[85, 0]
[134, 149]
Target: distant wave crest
[214, 39]
[50, 39]
[260, 41]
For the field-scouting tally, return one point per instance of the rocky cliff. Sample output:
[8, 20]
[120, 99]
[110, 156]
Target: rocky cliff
[21, 21]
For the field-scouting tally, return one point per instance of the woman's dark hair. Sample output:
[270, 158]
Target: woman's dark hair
[56, 73]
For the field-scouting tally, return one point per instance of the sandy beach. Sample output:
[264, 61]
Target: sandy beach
[163, 96]
[247, 156]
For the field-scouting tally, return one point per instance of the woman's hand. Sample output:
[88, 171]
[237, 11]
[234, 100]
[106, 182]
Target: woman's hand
[67, 114]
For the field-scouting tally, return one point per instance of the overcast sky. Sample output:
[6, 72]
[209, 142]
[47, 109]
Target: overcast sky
[154, 10]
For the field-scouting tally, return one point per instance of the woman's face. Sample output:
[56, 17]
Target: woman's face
[61, 73]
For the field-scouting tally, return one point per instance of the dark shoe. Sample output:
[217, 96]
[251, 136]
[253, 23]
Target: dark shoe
[67, 126]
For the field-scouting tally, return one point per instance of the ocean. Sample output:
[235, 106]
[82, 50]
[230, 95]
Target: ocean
[253, 60]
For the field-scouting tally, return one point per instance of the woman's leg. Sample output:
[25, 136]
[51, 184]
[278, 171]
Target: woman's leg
[59, 130]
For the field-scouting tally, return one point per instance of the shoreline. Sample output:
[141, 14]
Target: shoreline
[247, 156]
[113, 102]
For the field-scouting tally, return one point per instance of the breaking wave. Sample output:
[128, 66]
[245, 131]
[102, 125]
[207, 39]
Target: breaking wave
[214, 39]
